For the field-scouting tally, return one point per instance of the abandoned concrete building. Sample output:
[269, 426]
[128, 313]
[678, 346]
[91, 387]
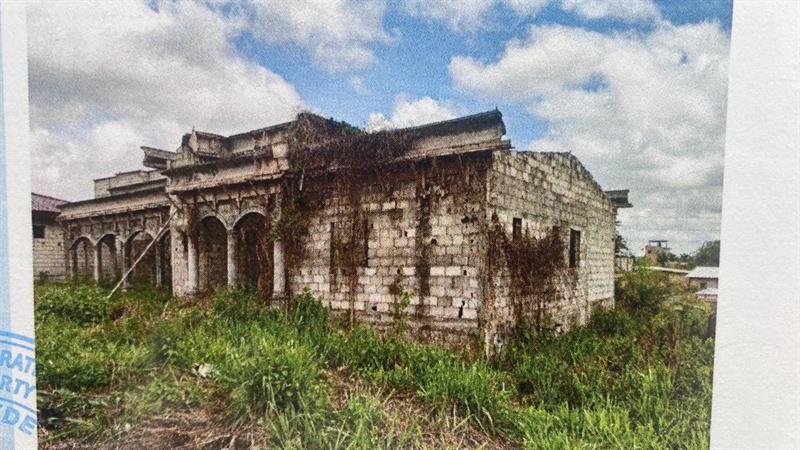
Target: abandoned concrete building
[485, 238]
[48, 238]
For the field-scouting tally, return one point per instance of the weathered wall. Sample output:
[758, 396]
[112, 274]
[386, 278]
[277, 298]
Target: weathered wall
[212, 245]
[125, 182]
[48, 253]
[547, 190]
[422, 238]
[113, 222]
[109, 266]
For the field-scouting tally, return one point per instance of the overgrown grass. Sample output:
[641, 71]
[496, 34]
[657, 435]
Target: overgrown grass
[635, 377]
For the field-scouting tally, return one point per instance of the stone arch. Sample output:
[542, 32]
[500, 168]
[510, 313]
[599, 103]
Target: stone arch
[145, 271]
[219, 217]
[249, 212]
[212, 253]
[81, 258]
[109, 264]
[254, 251]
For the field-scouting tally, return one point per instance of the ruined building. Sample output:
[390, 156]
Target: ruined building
[48, 238]
[486, 239]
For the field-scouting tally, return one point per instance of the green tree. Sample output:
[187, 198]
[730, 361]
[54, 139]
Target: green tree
[663, 258]
[620, 246]
[707, 254]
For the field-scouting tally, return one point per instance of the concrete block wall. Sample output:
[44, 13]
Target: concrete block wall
[48, 253]
[423, 238]
[547, 190]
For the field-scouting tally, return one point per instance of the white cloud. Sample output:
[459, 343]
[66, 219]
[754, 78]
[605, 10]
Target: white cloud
[107, 77]
[628, 10]
[460, 15]
[471, 15]
[642, 111]
[378, 122]
[408, 113]
[357, 83]
[338, 34]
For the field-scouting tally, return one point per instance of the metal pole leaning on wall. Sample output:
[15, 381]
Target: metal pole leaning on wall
[141, 255]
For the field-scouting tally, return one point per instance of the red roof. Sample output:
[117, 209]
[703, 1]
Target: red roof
[45, 203]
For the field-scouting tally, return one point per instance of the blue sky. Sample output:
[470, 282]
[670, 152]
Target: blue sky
[636, 89]
[416, 63]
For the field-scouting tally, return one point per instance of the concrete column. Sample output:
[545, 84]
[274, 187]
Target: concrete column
[123, 262]
[70, 262]
[115, 260]
[191, 264]
[159, 271]
[232, 258]
[96, 256]
[278, 270]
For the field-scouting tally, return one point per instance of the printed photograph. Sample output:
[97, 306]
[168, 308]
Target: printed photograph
[361, 224]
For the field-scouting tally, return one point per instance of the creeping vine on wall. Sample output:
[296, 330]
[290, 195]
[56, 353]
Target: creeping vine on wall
[335, 162]
[537, 274]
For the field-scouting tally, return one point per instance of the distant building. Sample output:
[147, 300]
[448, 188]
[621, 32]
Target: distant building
[654, 249]
[623, 263]
[48, 238]
[677, 275]
[709, 295]
[706, 281]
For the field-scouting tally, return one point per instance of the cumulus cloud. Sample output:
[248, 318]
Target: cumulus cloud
[337, 34]
[471, 15]
[108, 77]
[409, 113]
[644, 111]
[627, 10]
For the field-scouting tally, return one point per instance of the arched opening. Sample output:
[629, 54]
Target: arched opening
[82, 259]
[212, 253]
[165, 259]
[109, 267]
[254, 252]
[145, 271]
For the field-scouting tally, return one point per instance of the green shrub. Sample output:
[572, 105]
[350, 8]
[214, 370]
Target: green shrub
[69, 357]
[471, 390]
[162, 390]
[613, 322]
[238, 303]
[269, 376]
[643, 291]
[72, 357]
[635, 377]
[84, 304]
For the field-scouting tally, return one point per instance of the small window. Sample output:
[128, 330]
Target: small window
[574, 248]
[516, 231]
[703, 285]
[38, 231]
